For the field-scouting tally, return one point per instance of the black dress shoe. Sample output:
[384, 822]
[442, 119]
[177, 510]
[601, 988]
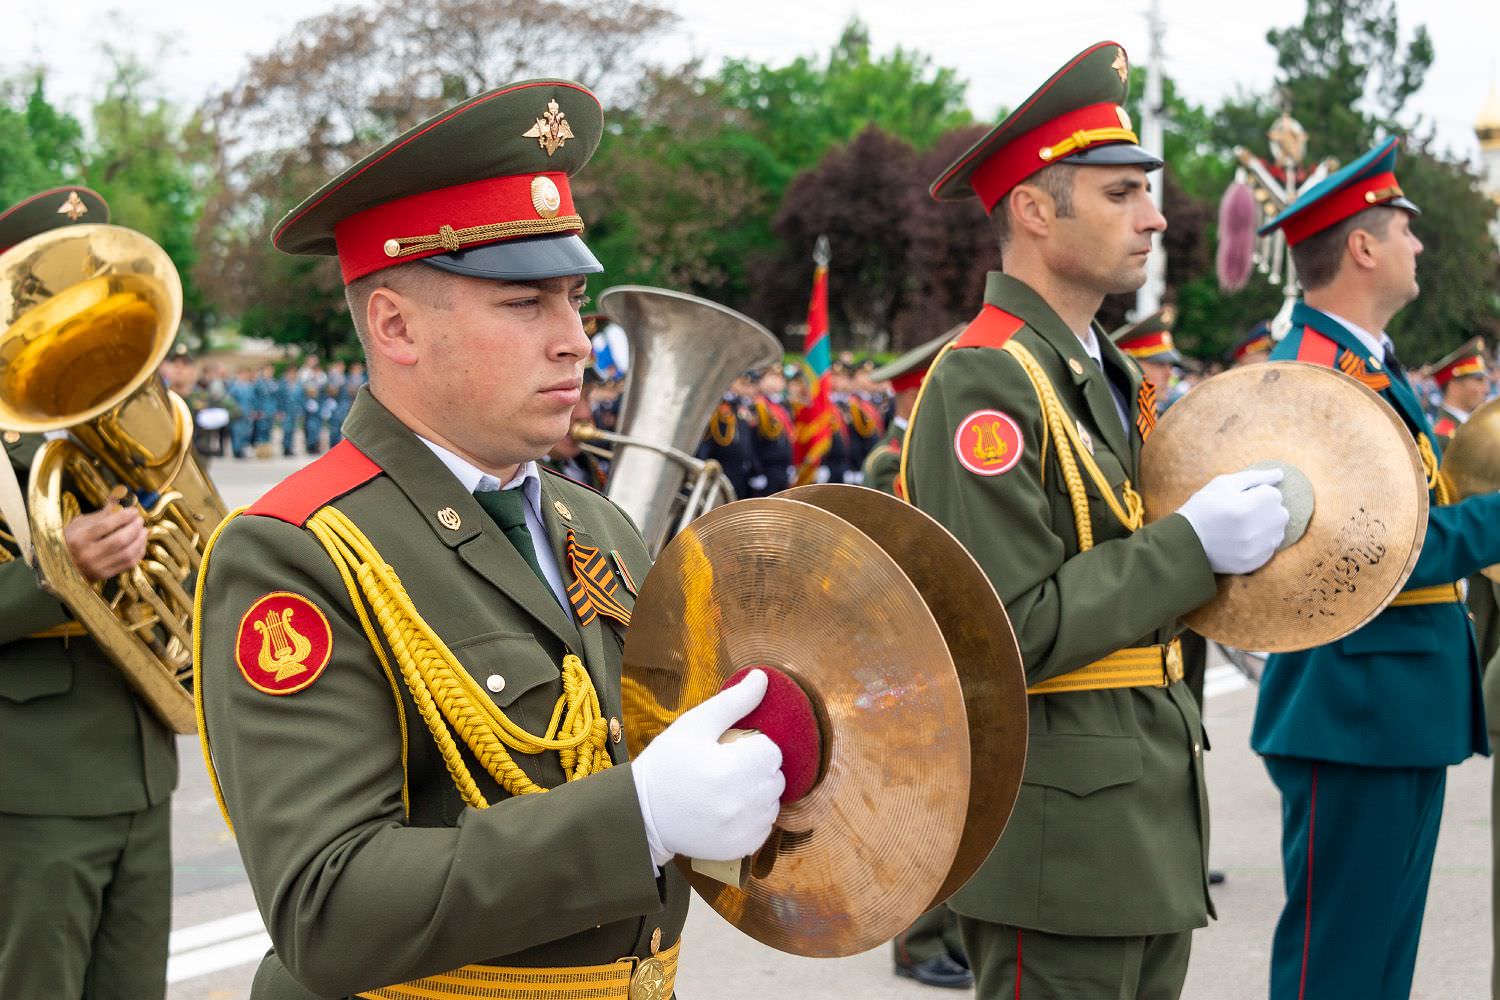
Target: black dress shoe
[940, 970]
[1215, 877]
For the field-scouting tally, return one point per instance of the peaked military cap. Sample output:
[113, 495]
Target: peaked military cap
[1078, 115]
[1150, 338]
[907, 371]
[1257, 341]
[481, 189]
[1365, 183]
[61, 206]
[1467, 360]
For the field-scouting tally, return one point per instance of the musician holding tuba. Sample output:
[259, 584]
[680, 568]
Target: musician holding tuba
[410, 651]
[88, 768]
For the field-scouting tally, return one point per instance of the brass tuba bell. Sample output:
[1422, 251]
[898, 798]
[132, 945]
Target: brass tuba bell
[87, 313]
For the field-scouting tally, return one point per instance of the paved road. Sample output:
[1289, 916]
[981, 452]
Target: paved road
[218, 938]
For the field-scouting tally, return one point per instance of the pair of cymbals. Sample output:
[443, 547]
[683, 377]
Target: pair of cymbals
[915, 678]
[1352, 470]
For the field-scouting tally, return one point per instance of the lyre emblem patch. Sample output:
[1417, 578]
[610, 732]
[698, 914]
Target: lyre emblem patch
[988, 443]
[284, 643]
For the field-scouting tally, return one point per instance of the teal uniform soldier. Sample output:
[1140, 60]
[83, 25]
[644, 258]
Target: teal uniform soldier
[88, 771]
[246, 398]
[410, 657]
[1463, 379]
[290, 407]
[1100, 877]
[1357, 735]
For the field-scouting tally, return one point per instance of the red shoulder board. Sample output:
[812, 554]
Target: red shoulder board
[298, 497]
[1317, 348]
[564, 475]
[991, 328]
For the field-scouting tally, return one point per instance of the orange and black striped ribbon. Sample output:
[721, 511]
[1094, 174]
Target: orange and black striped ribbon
[1145, 405]
[1350, 364]
[594, 585]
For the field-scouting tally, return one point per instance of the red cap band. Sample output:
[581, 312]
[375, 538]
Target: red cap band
[1472, 365]
[434, 222]
[1148, 344]
[911, 380]
[1335, 208]
[1056, 140]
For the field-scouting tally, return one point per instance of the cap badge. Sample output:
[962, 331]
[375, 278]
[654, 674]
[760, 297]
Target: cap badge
[545, 197]
[1120, 65]
[551, 130]
[73, 208]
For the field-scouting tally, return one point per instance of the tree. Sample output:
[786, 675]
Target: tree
[40, 146]
[342, 83]
[152, 165]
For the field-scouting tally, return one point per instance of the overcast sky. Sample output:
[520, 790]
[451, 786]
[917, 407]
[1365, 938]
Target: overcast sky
[1003, 49]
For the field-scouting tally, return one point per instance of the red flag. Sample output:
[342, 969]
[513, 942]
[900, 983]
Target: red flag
[815, 418]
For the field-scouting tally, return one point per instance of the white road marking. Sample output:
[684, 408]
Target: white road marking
[219, 944]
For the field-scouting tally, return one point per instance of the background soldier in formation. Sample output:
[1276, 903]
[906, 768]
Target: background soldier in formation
[88, 771]
[387, 840]
[774, 430]
[1464, 382]
[1357, 735]
[905, 375]
[1099, 880]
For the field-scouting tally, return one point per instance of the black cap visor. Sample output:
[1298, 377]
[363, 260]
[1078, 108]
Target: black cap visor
[1403, 203]
[1115, 154]
[530, 259]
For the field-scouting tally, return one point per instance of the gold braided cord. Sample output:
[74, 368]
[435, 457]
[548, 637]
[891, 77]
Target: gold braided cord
[450, 239]
[446, 695]
[1084, 138]
[1070, 451]
[1436, 480]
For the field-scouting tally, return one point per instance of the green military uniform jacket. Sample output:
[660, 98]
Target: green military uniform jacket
[884, 461]
[356, 891]
[74, 739]
[1110, 833]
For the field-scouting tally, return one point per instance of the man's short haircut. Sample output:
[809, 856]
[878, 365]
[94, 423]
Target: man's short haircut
[1057, 179]
[412, 278]
[1318, 257]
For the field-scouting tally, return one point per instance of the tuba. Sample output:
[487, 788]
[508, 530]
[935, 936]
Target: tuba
[684, 352]
[87, 313]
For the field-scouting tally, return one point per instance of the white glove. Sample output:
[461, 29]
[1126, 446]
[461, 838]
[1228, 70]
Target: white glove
[705, 799]
[1240, 519]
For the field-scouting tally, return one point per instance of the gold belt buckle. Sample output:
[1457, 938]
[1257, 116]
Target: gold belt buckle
[649, 981]
[1174, 662]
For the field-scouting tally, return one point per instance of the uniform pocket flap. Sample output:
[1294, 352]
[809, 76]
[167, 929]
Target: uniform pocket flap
[514, 657]
[35, 669]
[1388, 636]
[1082, 765]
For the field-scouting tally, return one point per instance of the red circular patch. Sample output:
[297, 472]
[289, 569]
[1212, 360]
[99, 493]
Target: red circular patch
[988, 443]
[283, 644]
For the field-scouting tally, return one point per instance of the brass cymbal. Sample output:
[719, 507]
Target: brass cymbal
[785, 584]
[1369, 498]
[1472, 459]
[973, 621]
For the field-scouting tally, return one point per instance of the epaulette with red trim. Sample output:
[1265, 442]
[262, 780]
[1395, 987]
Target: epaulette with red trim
[991, 328]
[300, 495]
[575, 482]
[1320, 349]
[1445, 427]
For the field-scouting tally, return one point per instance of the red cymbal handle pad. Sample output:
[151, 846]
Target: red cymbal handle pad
[786, 715]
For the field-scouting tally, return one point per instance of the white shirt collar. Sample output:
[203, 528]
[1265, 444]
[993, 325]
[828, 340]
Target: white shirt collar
[476, 480]
[1374, 343]
[1461, 415]
[1090, 343]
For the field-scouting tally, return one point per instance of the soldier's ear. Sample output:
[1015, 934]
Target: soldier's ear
[1031, 210]
[388, 329]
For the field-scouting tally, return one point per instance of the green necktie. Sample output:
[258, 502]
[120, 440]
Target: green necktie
[508, 509]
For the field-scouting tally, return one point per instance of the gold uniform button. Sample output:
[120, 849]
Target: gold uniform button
[615, 730]
[1197, 750]
[495, 683]
[11, 437]
[1076, 365]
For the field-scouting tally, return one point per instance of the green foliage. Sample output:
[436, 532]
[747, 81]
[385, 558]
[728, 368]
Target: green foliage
[40, 145]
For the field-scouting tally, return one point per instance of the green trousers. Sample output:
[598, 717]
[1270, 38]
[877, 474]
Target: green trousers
[934, 933]
[86, 906]
[1064, 967]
